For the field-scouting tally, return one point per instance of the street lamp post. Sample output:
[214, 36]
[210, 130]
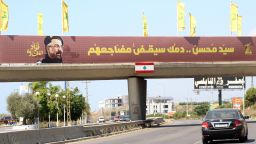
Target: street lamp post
[56, 96]
[38, 117]
[49, 114]
[64, 97]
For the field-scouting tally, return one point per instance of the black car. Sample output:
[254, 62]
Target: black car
[224, 124]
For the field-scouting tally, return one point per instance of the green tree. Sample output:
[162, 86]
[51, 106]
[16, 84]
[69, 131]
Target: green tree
[49, 103]
[179, 115]
[46, 98]
[53, 102]
[250, 97]
[25, 106]
[39, 91]
[226, 105]
[202, 109]
[13, 101]
[78, 104]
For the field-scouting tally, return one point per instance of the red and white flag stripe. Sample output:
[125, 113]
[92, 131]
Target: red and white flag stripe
[144, 67]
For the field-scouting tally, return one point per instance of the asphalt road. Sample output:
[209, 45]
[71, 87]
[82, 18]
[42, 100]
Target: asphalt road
[5, 129]
[179, 132]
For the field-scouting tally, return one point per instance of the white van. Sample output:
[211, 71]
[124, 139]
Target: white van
[101, 119]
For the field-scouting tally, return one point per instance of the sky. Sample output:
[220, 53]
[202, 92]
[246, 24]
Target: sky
[124, 18]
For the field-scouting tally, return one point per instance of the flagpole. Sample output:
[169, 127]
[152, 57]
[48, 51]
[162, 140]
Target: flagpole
[66, 83]
[61, 1]
[177, 27]
[1, 10]
[230, 18]
[177, 20]
[189, 23]
[143, 30]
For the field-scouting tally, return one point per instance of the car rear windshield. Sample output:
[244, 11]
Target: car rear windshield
[222, 114]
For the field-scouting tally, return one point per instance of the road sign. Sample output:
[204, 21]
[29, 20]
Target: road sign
[219, 82]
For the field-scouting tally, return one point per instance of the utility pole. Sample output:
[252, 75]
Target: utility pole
[86, 91]
[87, 96]
[68, 103]
[187, 107]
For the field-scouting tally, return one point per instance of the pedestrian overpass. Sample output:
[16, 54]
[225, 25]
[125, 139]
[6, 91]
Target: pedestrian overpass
[67, 72]
[105, 58]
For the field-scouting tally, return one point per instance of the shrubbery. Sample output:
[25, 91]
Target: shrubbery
[159, 115]
[179, 115]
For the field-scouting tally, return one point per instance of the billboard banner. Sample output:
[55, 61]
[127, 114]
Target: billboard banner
[87, 49]
[219, 82]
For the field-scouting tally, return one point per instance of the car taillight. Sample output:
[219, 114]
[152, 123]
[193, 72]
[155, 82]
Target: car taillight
[238, 123]
[205, 125]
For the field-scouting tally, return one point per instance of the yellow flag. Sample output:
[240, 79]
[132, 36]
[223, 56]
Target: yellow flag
[181, 16]
[233, 17]
[239, 25]
[4, 16]
[192, 25]
[40, 24]
[145, 25]
[65, 22]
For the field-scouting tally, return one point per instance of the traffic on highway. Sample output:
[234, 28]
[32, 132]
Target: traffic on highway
[174, 132]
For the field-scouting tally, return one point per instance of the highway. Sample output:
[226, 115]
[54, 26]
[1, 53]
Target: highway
[5, 129]
[178, 132]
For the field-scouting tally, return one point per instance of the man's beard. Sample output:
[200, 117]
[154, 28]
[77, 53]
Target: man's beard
[47, 59]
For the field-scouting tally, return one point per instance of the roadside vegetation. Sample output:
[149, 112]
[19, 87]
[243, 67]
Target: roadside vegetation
[250, 102]
[44, 99]
[194, 110]
[164, 116]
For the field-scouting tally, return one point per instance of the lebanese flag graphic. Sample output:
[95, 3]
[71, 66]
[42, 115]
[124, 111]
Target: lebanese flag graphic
[144, 67]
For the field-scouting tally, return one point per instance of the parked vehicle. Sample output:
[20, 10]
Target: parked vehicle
[224, 124]
[101, 119]
[124, 118]
[8, 120]
[116, 118]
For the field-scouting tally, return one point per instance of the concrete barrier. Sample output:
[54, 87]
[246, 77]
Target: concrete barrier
[64, 134]
[24, 137]
[75, 132]
[4, 138]
[154, 121]
[52, 135]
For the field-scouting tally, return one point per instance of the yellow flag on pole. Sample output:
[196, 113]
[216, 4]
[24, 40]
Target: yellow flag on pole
[4, 16]
[145, 25]
[233, 17]
[181, 16]
[40, 24]
[192, 25]
[239, 25]
[65, 22]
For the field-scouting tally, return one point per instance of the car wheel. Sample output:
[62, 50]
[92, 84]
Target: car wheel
[205, 140]
[246, 138]
[242, 139]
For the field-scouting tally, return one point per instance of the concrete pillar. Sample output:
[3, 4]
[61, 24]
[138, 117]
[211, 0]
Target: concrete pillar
[137, 92]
